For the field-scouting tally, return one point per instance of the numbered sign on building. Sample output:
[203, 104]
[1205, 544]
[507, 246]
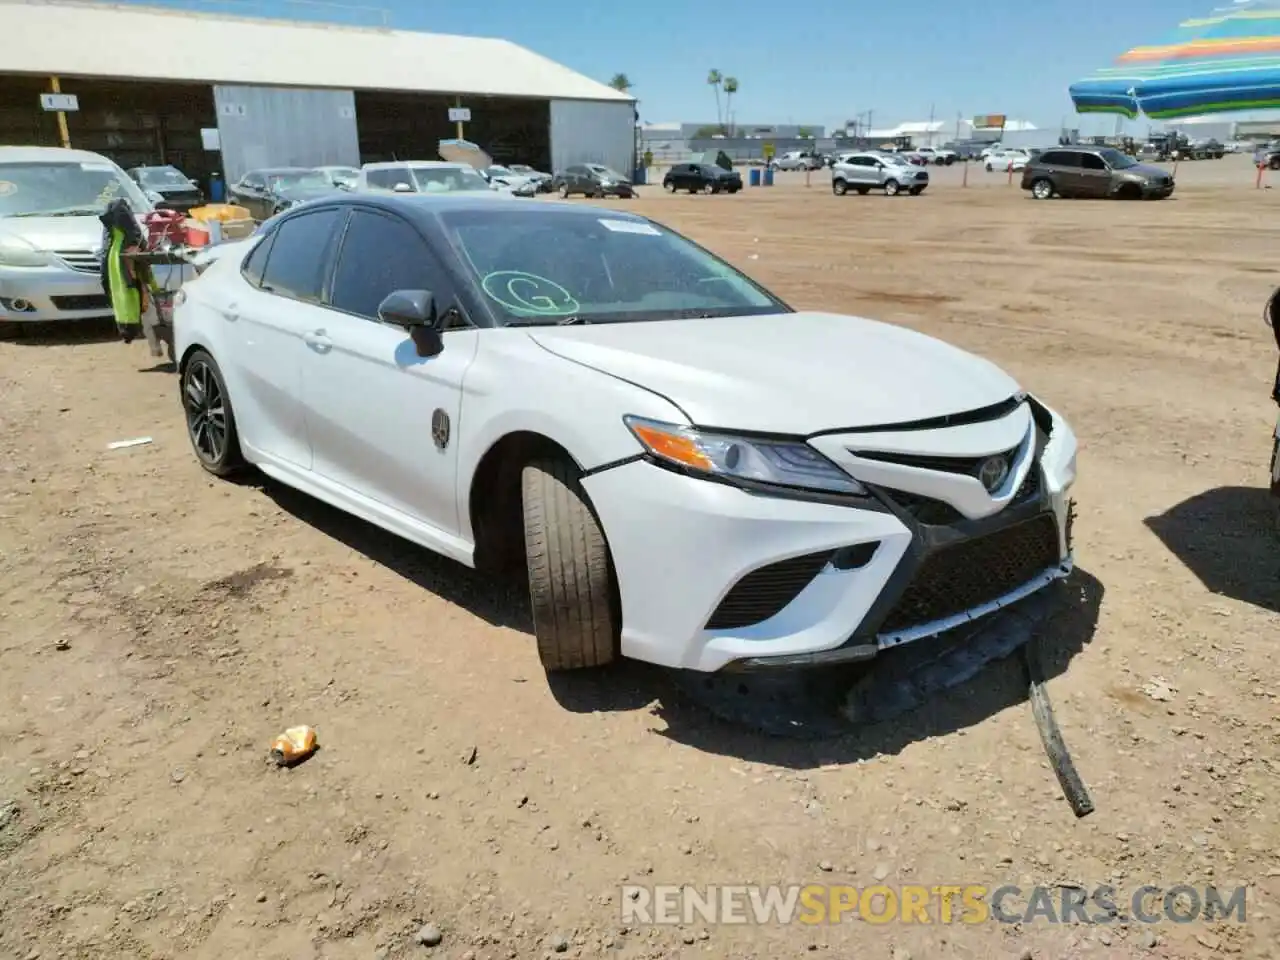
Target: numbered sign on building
[459, 115]
[59, 102]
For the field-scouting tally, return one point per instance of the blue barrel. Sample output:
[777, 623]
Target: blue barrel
[640, 175]
[753, 178]
[768, 176]
[217, 189]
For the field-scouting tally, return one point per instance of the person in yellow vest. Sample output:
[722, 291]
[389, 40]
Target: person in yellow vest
[129, 286]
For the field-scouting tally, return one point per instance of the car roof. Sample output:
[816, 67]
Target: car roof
[417, 206]
[50, 154]
[277, 171]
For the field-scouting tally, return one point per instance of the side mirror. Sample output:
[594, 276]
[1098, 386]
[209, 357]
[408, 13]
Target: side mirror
[415, 311]
[402, 187]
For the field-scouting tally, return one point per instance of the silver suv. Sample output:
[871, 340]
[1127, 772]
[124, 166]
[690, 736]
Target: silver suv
[889, 172]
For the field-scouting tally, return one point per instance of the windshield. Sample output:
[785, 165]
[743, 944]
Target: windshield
[162, 177]
[60, 189]
[521, 168]
[606, 172]
[497, 171]
[535, 269]
[303, 180]
[344, 174]
[448, 179]
[1117, 160]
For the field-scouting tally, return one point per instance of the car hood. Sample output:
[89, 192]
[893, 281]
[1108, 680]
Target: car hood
[55, 233]
[794, 374]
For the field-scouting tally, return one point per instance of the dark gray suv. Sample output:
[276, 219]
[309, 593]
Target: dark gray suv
[1094, 172]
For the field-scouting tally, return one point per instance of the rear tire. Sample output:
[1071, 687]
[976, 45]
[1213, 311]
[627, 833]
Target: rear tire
[1042, 189]
[669, 186]
[571, 579]
[916, 191]
[709, 188]
[891, 188]
[564, 191]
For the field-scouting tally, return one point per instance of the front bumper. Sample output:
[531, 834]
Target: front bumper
[53, 292]
[844, 579]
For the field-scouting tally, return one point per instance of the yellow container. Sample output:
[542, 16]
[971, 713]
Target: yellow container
[219, 211]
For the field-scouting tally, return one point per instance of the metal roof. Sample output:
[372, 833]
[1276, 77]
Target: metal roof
[127, 41]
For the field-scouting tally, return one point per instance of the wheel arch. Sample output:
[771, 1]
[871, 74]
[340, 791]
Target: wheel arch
[493, 501]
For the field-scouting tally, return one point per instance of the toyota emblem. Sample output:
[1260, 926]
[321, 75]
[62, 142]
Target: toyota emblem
[992, 472]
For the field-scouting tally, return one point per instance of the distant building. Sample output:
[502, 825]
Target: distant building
[657, 133]
[933, 133]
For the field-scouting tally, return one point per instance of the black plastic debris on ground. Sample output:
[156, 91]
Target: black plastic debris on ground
[825, 702]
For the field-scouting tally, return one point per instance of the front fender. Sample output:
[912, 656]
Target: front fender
[515, 386]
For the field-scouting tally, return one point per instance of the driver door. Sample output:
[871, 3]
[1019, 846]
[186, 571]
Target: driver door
[370, 400]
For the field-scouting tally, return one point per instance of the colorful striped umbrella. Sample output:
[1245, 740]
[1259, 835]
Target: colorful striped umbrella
[1229, 60]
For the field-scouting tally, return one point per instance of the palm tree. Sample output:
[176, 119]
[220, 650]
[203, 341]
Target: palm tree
[730, 85]
[714, 80]
[620, 82]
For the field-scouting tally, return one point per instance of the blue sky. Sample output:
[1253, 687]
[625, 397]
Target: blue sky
[818, 62]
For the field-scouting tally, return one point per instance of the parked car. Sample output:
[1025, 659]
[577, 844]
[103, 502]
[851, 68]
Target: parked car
[264, 193]
[426, 176]
[542, 180]
[1208, 148]
[506, 178]
[701, 178]
[864, 172]
[1005, 160]
[1094, 172]
[942, 156]
[798, 160]
[50, 234]
[1268, 155]
[168, 188]
[834, 511]
[593, 180]
[344, 177]
[1272, 315]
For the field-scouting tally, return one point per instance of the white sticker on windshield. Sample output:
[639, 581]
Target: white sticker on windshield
[631, 226]
[100, 167]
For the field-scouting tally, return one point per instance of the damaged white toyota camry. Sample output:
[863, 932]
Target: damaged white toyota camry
[692, 472]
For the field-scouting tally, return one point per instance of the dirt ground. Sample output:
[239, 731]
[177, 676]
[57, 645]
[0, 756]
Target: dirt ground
[159, 628]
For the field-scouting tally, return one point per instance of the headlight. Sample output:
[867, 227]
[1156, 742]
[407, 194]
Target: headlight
[16, 252]
[779, 462]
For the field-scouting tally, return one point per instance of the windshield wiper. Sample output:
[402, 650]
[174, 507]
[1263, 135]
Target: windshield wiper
[549, 321]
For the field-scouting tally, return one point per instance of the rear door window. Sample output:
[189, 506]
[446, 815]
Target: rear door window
[300, 254]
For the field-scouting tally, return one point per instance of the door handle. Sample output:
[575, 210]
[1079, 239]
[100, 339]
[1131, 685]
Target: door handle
[318, 341]
[231, 313]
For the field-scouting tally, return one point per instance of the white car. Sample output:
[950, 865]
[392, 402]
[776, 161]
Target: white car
[692, 472]
[425, 176]
[50, 234]
[1006, 160]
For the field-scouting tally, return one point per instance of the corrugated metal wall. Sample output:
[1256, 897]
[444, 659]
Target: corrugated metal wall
[285, 127]
[593, 131]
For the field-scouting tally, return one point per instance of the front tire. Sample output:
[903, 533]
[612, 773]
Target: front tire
[839, 187]
[571, 579]
[709, 188]
[891, 188]
[1042, 189]
[669, 186]
[564, 191]
[211, 423]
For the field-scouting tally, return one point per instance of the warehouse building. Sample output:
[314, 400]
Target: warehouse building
[230, 94]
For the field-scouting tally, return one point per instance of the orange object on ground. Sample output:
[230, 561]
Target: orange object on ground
[293, 746]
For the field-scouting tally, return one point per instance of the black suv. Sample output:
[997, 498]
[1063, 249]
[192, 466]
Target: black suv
[1094, 172]
[701, 178]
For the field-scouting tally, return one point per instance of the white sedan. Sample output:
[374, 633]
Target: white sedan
[1007, 160]
[690, 471]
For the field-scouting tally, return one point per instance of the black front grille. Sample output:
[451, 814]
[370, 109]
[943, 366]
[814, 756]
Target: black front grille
[922, 176]
[965, 465]
[90, 301]
[763, 593]
[973, 572]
